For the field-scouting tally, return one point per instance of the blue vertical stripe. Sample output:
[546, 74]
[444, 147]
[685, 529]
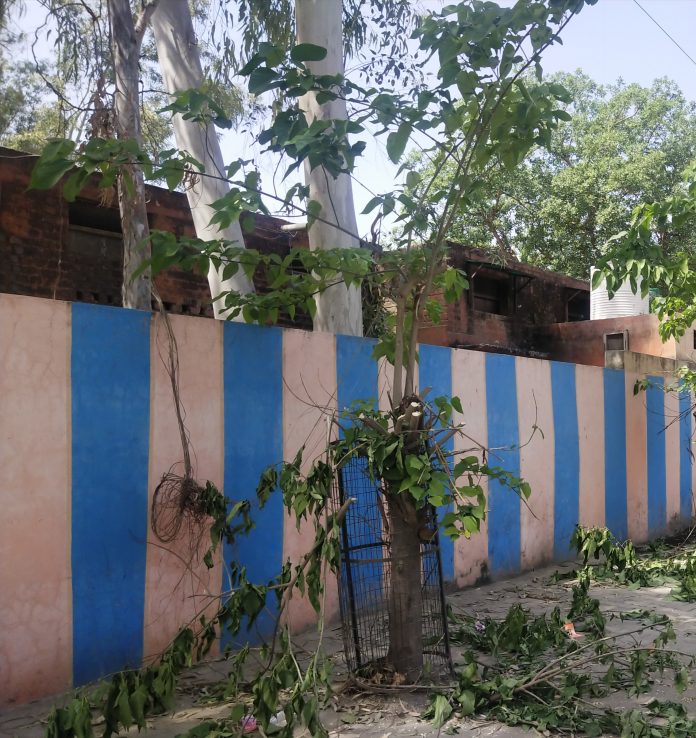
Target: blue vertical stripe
[356, 372]
[253, 416]
[504, 536]
[435, 370]
[566, 509]
[655, 450]
[615, 504]
[356, 376]
[110, 367]
[685, 456]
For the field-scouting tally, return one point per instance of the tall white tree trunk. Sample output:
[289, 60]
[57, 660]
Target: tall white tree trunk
[125, 48]
[339, 309]
[180, 65]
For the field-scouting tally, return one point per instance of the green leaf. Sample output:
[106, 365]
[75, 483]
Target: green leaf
[441, 710]
[307, 52]
[372, 204]
[262, 80]
[52, 164]
[467, 82]
[681, 680]
[313, 212]
[467, 702]
[138, 701]
[397, 140]
[124, 711]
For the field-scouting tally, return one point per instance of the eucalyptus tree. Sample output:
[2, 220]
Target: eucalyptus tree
[319, 24]
[182, 73]
[333, 25]
[126, 38]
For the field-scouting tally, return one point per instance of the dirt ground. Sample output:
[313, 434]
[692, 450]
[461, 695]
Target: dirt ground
[370, 715]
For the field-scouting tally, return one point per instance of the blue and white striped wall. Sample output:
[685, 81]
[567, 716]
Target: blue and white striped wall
[88, 428]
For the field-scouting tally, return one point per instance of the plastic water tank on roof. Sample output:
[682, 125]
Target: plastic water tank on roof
[622, 304]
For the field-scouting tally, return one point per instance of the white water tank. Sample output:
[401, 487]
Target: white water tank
[622, 304]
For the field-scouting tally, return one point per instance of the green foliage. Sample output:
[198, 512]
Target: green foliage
[640, 253]
[127, 698]
[410, 464]
[131, 695]
[525, 670]
[293, 280]
[614, 147]
[21, 97]
[618, 562]
[368, 35]
[198, 106]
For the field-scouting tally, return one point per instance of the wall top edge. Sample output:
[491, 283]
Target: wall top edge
[62, 305]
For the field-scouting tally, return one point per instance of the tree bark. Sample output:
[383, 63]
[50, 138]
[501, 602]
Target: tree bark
[125, 48]
[180, 65]
[405, 597]
[339, 309]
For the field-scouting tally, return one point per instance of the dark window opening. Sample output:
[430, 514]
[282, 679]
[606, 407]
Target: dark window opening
[578, 308]
[491, 295]
[89, 215]
[616, 341]
[694, 339]
[93, 257]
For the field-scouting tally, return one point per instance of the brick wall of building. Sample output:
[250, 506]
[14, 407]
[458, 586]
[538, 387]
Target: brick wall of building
[73, 251]
[505, 304]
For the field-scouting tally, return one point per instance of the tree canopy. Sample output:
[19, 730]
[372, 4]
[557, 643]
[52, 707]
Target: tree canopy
[617, 145]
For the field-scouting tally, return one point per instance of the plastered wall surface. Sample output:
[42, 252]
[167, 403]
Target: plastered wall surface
[87, 428]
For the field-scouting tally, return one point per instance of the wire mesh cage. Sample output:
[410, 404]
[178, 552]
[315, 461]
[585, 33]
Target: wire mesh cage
[368, 608]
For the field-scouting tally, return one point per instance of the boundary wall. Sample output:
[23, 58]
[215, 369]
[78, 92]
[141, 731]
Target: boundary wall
[87, 428]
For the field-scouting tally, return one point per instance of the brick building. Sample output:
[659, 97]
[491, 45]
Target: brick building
[508, 307]
[73, 251]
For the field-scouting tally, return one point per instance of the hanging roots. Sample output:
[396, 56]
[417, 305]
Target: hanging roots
[178, 501]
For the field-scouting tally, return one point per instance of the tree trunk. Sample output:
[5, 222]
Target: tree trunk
[405, 596]
[125, 48]
[180, 65]
[339, 309]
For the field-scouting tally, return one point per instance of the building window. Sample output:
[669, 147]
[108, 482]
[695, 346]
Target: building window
[616, 341]
[491, 295]
[94, 253]
[578, 308]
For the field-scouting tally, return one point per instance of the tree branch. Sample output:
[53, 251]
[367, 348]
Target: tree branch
[143, 20]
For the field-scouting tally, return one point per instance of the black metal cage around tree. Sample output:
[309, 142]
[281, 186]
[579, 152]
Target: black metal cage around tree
[365, 581]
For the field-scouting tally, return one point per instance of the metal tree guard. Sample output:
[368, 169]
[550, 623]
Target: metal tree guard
[365, 574]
